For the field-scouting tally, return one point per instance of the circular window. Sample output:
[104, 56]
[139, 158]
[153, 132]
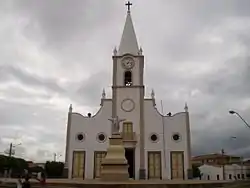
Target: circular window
[101, 137]
[128, 105]
[154, 138]
[80, 136]
[176, 137]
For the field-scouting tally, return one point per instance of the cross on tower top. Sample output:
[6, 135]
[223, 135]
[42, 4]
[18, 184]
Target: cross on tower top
[128, 4]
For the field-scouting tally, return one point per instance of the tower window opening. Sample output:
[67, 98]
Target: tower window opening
[128, 78]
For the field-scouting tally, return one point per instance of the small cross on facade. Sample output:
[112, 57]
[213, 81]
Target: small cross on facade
[128, 4]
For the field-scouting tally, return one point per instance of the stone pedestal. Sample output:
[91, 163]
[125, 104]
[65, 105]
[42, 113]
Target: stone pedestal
[190, 173]
[114, 165]
[65, 172]
[142, 174]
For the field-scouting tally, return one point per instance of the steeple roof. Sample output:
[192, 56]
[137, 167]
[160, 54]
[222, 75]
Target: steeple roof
[128, 42]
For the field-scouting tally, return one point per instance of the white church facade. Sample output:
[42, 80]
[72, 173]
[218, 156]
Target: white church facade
[156, 146]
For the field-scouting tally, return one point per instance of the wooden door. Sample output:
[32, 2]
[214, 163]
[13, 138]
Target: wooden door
[154, 165]
[177, 164]
[78, 164]
[99, 156]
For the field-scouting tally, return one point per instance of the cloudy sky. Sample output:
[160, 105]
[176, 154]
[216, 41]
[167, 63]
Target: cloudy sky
[54, 53]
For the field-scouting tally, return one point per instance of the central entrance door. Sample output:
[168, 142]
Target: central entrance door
[130, 156]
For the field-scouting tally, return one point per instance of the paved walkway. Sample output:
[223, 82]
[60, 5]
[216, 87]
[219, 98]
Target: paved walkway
[80, 181]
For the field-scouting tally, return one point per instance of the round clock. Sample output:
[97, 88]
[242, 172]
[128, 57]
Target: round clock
[128, 63]
[128, 105]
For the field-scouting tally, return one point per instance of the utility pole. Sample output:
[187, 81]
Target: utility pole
[54, 157]
[163, 127]
[223, 164]
[10, 151]
[11, 148]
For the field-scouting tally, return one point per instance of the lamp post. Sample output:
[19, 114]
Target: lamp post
[223, 164]
[241, 158]
[230, 157]
[234, 112]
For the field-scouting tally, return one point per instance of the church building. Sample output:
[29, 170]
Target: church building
[156, 146]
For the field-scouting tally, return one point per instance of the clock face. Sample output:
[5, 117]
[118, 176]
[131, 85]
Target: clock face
[128, 63]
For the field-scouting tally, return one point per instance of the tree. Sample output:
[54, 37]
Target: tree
[196, 171]
[3, 163]
[17, 165]
[54, 169]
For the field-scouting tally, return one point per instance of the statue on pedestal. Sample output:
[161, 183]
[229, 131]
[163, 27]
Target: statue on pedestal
[115, 124]
[115, 164]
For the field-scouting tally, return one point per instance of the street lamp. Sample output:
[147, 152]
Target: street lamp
[233, 112]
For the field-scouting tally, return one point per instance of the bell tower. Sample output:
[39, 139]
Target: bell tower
[128, 86]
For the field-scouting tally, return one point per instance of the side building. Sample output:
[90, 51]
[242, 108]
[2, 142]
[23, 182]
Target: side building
[215, 159]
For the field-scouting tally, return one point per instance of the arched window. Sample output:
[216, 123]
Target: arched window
[128, 78]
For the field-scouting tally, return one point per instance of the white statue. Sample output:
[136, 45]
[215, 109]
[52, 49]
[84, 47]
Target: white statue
[116, 124]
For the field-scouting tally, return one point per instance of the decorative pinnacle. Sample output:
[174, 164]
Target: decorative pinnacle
[103, 94]
[115, 51]
[140, 51]
[70, 108]
[186, 107]
[152, 94]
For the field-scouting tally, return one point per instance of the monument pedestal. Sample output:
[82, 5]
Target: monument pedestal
[114, 165]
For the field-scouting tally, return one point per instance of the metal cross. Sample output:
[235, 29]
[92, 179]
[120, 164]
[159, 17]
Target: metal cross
[128, 4]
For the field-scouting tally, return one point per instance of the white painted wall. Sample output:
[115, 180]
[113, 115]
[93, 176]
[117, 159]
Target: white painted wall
[235, 170]
[210, 172]
[90, 127]
[213, 171]
[154, 122]
[133, 116]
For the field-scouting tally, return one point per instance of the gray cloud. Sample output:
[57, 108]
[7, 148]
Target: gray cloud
[91, 89]
[56, 53]
[16, 73]
[60, 21]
